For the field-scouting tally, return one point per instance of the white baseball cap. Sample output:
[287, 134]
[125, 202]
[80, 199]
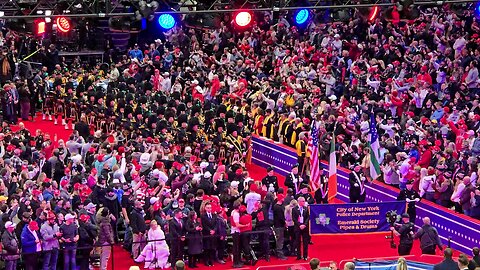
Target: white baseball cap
[234, 184]
[10, 224]
[153, 200]
[69, 216]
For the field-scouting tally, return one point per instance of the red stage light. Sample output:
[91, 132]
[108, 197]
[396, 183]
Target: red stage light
[63, 24]
[243, 18]
[373, 13]
[40, 27]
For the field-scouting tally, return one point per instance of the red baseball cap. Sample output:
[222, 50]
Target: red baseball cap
[33, 225]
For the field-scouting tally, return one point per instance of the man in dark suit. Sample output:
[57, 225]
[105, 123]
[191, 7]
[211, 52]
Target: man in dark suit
[138, 226]
[475, 261]
[448, 263]
[177, 236]
[463, 262]
[357, 185]
[301, 216]
[209, 223]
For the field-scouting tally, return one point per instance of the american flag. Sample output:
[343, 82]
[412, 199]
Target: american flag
[314, 161]
[355, 118]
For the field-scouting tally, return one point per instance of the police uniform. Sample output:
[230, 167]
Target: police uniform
[411, 196]
[271, 182]
[294, 181]
[307, 196]
[357, 192]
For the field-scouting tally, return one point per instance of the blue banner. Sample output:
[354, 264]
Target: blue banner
[352, 217]
[391, 265]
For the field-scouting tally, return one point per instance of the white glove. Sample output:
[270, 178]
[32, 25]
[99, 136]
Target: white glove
[355, 185]
[417, 199]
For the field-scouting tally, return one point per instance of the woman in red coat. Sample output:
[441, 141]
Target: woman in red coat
[245, 235]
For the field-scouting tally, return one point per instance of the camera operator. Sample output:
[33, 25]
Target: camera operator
[405, 232]
[411, 196]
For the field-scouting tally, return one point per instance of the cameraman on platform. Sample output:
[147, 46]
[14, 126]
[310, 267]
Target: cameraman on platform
[405, 232]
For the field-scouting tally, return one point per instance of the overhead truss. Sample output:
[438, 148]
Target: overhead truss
[107, 8]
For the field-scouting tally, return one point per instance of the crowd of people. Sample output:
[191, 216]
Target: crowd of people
[160, 137]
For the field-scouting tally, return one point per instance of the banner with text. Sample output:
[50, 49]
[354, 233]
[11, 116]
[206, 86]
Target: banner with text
[352, 217]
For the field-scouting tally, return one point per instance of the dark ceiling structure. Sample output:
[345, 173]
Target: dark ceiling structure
[15, 9]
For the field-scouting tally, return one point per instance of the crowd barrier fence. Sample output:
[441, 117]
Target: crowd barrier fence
[61, 249]
[292, 266]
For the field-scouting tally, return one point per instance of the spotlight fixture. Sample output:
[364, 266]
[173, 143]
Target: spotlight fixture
[302, 16]
[243, 18]
[166, 21]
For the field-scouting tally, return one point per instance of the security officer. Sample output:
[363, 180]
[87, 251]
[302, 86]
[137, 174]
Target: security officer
[270, 181]
[411, 196]
[406, 234]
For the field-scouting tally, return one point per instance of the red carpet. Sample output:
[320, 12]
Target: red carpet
[46, 127]
[326, 247]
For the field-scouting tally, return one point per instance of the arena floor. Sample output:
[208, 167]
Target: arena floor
[326, 247]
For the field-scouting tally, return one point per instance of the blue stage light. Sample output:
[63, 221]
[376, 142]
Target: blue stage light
[166, 21]
[302, 16]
